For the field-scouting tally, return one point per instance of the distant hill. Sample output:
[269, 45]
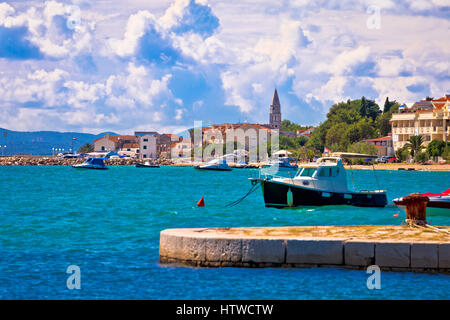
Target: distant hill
[42, 142]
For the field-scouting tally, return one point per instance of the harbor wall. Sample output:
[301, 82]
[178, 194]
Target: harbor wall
[194, 247]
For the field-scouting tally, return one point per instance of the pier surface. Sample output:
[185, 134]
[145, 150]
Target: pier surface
[395, 248]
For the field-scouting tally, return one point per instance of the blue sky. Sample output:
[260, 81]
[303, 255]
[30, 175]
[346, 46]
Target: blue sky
[159, 65]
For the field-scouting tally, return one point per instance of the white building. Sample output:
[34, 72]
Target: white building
[147, 146]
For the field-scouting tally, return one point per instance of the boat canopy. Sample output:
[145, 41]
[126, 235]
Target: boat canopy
[348, 155]
[97, 161]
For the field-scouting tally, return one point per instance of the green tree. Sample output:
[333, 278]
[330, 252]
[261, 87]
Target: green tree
[421, 157]
[86, 148]
[389, 104]
[363, 147]
[289, 126]
[414, 144]
[363, 129]
[435, 148]
[337, 135]
[402, 153]
[294, 143]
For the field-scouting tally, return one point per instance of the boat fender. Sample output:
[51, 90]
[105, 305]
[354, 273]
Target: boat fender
[290, 198]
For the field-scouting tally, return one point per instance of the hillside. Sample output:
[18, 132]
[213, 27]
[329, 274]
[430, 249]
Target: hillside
[42, 142]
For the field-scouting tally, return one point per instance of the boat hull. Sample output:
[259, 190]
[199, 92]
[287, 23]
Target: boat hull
[90, 167]
[437, 206]
[138, 165]
[212, 168]
[276, 195]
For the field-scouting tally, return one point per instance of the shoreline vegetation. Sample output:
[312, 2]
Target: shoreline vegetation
[48, 160]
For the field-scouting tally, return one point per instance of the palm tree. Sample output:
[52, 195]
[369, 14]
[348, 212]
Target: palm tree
[415, 144]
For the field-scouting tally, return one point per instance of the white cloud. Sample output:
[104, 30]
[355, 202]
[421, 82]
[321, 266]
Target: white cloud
[137, 25]
[344, 62]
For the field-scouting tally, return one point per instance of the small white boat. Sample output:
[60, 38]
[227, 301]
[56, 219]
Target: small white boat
[438, 204]
[283, 164]
[92, 163]
[216, 164]
[147, 164]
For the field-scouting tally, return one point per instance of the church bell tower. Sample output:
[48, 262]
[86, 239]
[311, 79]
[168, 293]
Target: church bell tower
[275, 112]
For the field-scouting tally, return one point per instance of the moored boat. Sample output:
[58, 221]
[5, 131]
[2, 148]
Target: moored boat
[92, 163]
[320, 183]
[215, 164]
[147, 164]
[282, 167]
[438, 204]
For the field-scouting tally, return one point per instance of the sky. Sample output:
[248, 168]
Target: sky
[95, 66]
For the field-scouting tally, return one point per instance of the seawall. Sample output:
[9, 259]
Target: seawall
[392, 248]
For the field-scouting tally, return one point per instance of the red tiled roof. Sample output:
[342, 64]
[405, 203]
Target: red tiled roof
[379, 139]
[116, 138]
[443, 99]
[439, 106]
[130, 145]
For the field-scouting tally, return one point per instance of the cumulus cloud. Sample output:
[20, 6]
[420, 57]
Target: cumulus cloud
[161, 64]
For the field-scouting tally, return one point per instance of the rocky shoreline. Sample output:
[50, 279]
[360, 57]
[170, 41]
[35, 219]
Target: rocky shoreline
[55, 161]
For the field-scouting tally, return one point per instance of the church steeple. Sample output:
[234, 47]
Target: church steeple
[275, 100]
[275, 112]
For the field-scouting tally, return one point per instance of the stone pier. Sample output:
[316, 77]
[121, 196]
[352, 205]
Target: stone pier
[395, 248]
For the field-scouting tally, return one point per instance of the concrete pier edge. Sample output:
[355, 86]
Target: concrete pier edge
[194, 247]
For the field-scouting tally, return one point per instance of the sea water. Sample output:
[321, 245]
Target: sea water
[107, 222]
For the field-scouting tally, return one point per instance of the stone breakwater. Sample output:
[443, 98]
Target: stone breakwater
[54, 161]
[392, 248]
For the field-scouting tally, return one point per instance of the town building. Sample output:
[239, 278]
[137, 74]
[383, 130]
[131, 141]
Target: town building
[246, 134]
[182, 148]
[429, 118]
[141, 145]
[115, 143]
[383, 145]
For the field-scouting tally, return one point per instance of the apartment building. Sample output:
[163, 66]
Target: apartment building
[429, 118]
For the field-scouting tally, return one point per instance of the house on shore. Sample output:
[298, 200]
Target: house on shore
[383, 145]
[429, 118]
[141, 145]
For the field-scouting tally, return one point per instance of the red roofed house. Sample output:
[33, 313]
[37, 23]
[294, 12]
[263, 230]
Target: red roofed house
[384, 146]
[142, 145]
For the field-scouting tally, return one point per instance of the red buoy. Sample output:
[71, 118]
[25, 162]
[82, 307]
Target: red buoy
[201, 202]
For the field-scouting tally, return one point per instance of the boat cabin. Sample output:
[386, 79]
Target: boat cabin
[326, 173]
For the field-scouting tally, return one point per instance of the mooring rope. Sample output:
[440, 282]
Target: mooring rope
[427, 226]
[252, 189]
[376, 177]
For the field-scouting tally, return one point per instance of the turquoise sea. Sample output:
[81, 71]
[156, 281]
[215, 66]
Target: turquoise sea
[108, 223]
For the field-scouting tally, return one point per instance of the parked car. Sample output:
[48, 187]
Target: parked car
[383, 159]
[393, 160]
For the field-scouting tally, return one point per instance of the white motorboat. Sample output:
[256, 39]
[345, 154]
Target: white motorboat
[92, 163]
[147, 164]
[215, 164]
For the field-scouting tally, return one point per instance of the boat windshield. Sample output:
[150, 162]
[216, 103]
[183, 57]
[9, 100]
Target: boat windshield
[307, 172]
